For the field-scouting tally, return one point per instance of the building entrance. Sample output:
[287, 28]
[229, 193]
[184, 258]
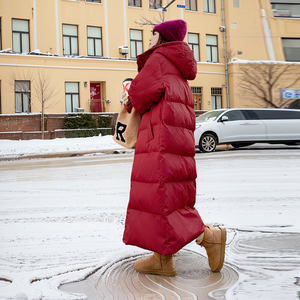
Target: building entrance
[95, 97]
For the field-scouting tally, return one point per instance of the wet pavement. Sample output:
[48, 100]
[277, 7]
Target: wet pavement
[194, 280]
[275, 254]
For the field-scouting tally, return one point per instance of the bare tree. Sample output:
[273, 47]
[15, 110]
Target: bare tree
[41, 87]
[230, 54]
[45, 92]
[145, 21]
[261, 82]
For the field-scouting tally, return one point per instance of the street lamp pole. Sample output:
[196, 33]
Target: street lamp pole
[223, 29]
[164, 8]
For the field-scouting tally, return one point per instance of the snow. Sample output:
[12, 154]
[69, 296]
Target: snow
[21, 296]
[62, 218]
[277, 62]
[25, 148]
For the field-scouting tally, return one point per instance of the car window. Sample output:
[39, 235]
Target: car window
[250, 115]
[275, 114]
[209, 116]
[234, 115]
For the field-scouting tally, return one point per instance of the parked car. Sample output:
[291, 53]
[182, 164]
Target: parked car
[244, 126]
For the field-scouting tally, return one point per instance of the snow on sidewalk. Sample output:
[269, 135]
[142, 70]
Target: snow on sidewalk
[25, 148]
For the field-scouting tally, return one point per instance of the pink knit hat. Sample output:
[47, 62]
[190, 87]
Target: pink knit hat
[174, 30]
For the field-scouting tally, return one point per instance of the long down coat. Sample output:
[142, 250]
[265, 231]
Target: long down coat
[161, 216]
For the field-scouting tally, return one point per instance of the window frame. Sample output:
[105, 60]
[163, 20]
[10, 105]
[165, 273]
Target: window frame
[70, 40]
[193, 44]
[153, 5]
[290, 5]
[94, 44]
[135, 3]
[211, 47]
[285, 49]
[135, 43]
[216, 92]
[71, 94]
[93, 1]
[22, 93]
[21, 34]
[189, 5]
[208, 7]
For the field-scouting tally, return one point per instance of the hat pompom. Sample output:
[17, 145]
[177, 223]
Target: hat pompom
[174, 30]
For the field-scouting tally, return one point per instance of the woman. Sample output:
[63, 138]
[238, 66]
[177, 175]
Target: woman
[161, 216]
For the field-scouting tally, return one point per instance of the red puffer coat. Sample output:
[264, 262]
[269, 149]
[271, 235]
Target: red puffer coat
[161, 216]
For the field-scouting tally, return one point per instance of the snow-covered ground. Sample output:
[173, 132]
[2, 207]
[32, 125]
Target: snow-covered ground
[62, 218]
[22, 148]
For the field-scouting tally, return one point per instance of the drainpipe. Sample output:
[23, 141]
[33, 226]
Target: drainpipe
[268, 35]
[223, 29]
[106, 28]
[57, 29]
[125, 23]
[35, 24]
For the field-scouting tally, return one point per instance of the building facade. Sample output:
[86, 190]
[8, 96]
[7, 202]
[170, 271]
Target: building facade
[72, 55]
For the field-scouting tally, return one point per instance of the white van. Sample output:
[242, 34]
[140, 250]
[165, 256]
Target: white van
[244, 126]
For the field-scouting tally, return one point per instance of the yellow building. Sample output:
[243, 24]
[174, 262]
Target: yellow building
[72, 55]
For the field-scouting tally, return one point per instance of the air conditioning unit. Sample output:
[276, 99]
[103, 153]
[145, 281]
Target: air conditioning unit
[123, 50]
[78, 109]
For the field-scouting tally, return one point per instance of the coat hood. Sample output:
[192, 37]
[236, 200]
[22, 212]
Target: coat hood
[179, 53]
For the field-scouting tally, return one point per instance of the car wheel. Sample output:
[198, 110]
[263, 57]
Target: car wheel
[207, 143]
[239, 145]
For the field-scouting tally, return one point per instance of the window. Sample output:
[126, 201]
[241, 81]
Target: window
[211, 48]
[70, 39]
[22, 96]
[291, 48]
[96, 1]
[155, 4]
[20, 35]
[193, 41]
[295, 105]
[216, 98]
[191, 5]
[196, 90]
[250, 115]
[137, 3]
[72, 96]
[94, 39]
[136, 42]
[286, 10]
[234, 115]
[275, 114]
[209, 6]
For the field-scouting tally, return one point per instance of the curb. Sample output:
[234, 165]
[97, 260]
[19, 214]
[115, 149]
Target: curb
[65, 154]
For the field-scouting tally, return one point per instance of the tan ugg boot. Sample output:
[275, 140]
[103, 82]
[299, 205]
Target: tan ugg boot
[156, 264]
[214, 240]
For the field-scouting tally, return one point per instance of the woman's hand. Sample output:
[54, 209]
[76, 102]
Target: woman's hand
[126, 101]
[124, 97]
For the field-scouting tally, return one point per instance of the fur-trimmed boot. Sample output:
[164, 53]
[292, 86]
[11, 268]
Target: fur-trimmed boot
[213, 240]
[156, 264]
